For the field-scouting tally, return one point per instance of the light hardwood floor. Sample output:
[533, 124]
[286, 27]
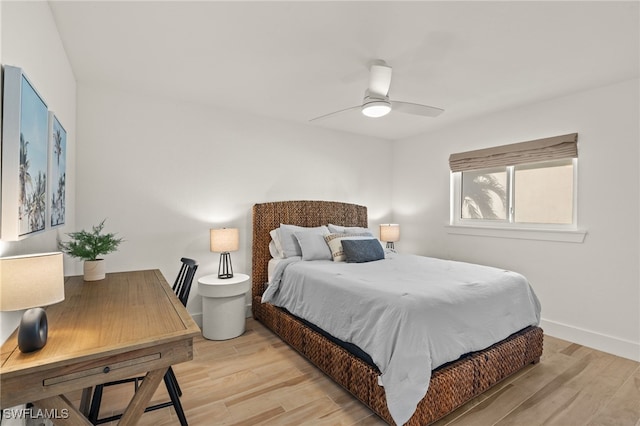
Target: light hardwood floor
[257, 379]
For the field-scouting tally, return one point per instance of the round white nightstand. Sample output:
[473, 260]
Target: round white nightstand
[223, 305]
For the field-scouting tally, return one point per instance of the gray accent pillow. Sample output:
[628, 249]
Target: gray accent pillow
[313, 245]
[290, 245]
[359, 251]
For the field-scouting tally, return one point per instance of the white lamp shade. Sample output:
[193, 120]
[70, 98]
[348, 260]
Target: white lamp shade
[224, 240]
[390, 232]
[31, 281]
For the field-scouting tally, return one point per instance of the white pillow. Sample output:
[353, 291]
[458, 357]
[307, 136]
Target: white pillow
[335, 243]
[275, 239]
[273, 250]
[290, 245]
[313, 245]
[339, 229]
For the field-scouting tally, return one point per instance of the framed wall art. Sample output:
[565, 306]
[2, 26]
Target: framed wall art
[57, 171]
[25, 153]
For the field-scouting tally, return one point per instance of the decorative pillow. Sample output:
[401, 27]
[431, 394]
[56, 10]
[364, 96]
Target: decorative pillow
[359, 251]
[275, 239]
[290, 245]
[335, 243]
[339, 229]
[313, 245]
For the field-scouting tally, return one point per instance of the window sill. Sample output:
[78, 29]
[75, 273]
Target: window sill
[562, 235]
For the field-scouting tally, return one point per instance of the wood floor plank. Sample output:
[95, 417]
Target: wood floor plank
[623, 407]
[264, 417]
[489, 410]
[276, 388]
[575, 395]
[256, 379]
[307, 414]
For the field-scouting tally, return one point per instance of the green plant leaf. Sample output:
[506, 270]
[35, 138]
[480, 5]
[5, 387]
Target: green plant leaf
[88, 245]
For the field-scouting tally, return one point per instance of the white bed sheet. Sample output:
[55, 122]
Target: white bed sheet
[411, 314]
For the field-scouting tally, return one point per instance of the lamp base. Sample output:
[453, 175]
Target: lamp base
[390, 245]
[32, 334]
[225, 270]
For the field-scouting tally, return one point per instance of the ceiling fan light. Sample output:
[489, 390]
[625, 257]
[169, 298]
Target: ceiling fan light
[376, 109]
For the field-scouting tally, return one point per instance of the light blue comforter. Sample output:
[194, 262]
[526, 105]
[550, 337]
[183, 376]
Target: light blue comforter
[411, 314]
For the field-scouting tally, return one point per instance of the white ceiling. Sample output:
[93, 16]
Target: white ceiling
[298, 60]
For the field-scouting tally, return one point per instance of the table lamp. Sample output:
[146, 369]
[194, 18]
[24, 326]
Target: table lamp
[223, 241]
[390, 233]
[29, 282]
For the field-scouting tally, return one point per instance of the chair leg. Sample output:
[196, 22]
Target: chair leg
[174, 380]
[172, 389]
[95, 404]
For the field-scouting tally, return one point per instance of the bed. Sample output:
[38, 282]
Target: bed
[450, 386]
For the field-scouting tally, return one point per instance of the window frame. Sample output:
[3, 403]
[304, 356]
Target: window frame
[508, 228]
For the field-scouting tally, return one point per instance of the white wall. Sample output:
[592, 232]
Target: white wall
[590, 292]
[30, 41]
[163, 173]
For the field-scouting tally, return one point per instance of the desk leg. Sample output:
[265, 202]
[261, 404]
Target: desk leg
[142, 397]
[62, 407]
[85, 401]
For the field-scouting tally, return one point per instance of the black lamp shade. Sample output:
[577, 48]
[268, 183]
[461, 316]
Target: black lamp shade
[32, 334]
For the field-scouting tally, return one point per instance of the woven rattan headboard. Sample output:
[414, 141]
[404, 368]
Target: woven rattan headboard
[268, 216]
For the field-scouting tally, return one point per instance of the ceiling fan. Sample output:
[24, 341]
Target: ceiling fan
[376, 102]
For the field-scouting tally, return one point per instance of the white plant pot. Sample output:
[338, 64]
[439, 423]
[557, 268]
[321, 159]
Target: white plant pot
[94, 270]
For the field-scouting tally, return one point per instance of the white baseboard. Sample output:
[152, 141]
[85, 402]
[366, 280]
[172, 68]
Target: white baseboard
[602, 342]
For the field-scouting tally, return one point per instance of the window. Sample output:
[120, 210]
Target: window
[536, 193]
[527, 185]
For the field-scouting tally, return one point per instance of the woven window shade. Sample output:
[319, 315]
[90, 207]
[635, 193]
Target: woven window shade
[555, 148]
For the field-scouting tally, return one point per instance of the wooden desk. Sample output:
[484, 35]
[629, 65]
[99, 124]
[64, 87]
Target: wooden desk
[127, 324]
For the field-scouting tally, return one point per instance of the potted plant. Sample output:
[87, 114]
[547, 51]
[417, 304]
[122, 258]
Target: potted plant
[88, 246]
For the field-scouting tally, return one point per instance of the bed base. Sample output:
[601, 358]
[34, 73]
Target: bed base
[451, 385]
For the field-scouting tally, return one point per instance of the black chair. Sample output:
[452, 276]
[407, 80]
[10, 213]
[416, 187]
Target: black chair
[182, 288]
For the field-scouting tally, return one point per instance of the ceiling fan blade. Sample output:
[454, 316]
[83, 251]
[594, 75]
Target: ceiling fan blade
[379, 80]
[416, 109]
[322, 117]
